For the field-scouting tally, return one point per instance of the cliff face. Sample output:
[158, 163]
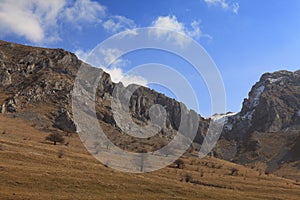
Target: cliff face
[274, 103]
[36, 84]
[267, 129]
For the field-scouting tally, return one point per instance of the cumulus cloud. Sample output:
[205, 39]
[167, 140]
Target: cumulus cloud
[82, 55]
[85, 11]
[167, 23]
[37, 20]
[222, 3]
[118, 23]
[113, 64]
[111, 57]
[234, 7]
[30, 19]
[118, 75]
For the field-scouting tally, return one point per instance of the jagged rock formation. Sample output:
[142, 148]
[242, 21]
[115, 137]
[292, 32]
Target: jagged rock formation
[267, 129]
[36, 84]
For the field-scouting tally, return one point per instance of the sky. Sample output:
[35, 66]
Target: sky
[244, 38]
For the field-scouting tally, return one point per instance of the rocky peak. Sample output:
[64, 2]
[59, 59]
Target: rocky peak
[265, 131]
[36, 83]
[273, 102]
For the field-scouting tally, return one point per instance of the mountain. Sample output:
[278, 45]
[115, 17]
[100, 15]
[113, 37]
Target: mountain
[36, 85]
[266, 132]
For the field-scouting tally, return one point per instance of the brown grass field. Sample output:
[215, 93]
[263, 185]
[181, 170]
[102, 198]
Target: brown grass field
[30, 168]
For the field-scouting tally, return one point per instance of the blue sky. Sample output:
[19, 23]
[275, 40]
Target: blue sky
[244, 38]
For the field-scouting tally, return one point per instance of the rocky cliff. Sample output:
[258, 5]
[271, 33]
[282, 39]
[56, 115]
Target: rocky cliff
[36, 85]
[266, 131]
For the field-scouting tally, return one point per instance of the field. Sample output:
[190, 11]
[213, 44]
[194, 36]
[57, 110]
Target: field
[32, 168]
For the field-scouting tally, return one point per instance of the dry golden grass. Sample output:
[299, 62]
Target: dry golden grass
[30, 168]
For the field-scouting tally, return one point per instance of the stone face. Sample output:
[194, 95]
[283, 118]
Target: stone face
[38, 80]
[64, 121]
[273, 102]
[268, 124]
[10, 105]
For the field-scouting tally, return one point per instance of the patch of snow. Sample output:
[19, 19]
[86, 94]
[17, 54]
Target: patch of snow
[230, 114]
[274, 80]
[253, 103]
[248, 115]
[218, 118]
[221, 117]
[257, 93]
[228, 127]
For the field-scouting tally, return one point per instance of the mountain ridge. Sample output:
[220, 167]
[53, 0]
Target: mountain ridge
[266, 129]
[39, 77]
[36, 85]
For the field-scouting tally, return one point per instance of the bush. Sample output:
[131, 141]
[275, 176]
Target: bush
[55, 137]
[187, 178]
[234, 172]
[179, 163]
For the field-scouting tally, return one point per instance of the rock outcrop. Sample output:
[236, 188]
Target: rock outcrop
[39, 82]
[268, 125]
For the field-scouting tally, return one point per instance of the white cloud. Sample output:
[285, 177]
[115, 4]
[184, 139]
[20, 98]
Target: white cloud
[118, 75]
[85, 11]
[37, 20]
[112, 64]
[167, 24]
[118, 23]
[111, 57]
[82, 55]
[222, 3]
[233, 7]
[30, 19]
[196, 32]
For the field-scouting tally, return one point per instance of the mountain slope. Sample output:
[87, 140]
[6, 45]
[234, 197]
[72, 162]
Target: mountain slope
[32, 168]
[267, 130]
[36, 85]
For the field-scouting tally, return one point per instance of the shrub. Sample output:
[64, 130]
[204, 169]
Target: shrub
[187, 178]
[55, 137]
[179, 163]
[234, 172]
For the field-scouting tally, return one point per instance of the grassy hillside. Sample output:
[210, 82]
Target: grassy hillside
[31, 168]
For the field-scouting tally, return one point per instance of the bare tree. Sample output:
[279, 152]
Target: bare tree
[139, 160]
[55, 137]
